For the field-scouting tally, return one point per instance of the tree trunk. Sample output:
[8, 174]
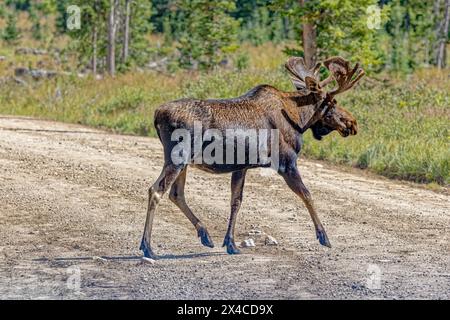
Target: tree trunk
[111, 55]
[436, 7]
[442, 38]
[94, 44]
[126, 33]
[94, 50]
[309, 41]
[437, 28]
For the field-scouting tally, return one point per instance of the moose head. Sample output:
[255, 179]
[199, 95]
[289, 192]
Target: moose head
[327, 115]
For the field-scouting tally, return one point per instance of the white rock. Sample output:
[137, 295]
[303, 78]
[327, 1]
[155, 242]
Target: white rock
[271, 241]
[254, 232]
[248, 243]
[99, 259]
[147, 260]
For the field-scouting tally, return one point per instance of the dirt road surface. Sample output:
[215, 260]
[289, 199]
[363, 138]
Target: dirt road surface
[72, 209]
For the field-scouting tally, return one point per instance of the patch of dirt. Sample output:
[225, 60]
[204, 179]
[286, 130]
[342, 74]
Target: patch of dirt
[73, 204]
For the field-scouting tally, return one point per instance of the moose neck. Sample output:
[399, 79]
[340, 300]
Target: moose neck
[303, 98]
[301, 109]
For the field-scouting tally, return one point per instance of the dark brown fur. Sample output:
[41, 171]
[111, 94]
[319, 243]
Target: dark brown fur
[263, 107]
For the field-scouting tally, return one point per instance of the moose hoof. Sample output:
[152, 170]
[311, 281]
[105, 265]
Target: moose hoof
[231, 247]
[205, 238]
[148, 253]
[323, 238]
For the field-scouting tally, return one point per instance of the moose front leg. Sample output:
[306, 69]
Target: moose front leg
[294, 181]
[237, 187]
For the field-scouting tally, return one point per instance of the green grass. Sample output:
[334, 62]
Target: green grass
[403, 132]
[403, 127]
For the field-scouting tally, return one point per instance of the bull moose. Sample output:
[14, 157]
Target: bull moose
[264, 107]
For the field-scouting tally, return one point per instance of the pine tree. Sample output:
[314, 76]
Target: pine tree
[102, 50]
[163, 11]
[335, 27]
[410, 35]
[209, 32]
[140, 28]
[36, 28]
[11, 33]
[277, 29]
[2, 11]
[167, 29]
[442, 34]
[61, 17]
[89, 42]
[261, 22]
[19, 4]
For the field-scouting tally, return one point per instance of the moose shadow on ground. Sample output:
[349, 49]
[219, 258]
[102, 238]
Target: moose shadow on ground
[132, 257]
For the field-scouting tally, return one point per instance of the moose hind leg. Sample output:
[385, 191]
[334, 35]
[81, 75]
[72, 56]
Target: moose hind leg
[168, 176]
[294, 181]
[176, 195]
[237, 187]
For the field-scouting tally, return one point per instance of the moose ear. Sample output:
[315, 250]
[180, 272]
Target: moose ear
[298, 84]
[299, 117]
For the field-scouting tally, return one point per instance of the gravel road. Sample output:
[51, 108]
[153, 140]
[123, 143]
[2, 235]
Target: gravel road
[72, 210]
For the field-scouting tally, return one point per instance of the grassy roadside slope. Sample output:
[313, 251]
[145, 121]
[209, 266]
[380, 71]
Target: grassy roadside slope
[403, 126]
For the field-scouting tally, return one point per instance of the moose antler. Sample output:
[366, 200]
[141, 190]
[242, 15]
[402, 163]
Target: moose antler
[301, 76]
[342, 73]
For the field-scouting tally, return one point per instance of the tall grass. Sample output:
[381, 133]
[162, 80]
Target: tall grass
[403, 126]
